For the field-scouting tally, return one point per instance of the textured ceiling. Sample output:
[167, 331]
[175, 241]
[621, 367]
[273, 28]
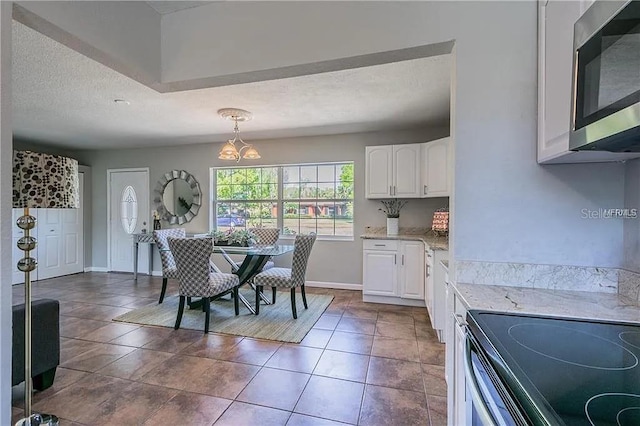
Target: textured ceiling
[64, 98]
[164, 7]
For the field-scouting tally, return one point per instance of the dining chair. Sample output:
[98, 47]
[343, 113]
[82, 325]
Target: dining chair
[264, 237]
[169, 270]
[288, 277]
[195, 276]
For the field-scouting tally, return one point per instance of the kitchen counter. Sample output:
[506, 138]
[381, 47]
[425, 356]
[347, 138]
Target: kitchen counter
[563, 303]
[413, 234]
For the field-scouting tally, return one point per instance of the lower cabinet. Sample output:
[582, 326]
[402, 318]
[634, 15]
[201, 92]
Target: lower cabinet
[455, 359]
[435, 291]
[393, 272]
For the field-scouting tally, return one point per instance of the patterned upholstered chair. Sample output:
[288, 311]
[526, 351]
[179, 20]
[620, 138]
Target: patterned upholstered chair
[288, 278]
[196, 279]
[168, 263]
[264, 237]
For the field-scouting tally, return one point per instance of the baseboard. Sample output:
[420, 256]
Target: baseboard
[339, 286]
[95, 269]
[393, 300]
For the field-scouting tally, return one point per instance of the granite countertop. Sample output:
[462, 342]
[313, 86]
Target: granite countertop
[563, 303]
[413, 234]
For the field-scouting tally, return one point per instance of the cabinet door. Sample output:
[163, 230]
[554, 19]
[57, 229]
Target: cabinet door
[429, 286]
[379, 170]
[459, 387]
[380, 273]
[435, 168]
[412, 264]
[406, 171]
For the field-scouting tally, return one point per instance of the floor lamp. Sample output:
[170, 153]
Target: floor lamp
[40, 181]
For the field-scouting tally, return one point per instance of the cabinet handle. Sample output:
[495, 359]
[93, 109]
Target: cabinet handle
[395, 259]
[403, 259]
[425, 190]
[394, 190]
[380, 245]
[427, 271]
[390, 190]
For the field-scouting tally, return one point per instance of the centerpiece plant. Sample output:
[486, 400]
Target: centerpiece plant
[233, 237]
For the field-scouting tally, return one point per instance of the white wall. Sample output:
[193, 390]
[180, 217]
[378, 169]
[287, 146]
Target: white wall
[333, 261]
[6, 222]
[632, 226]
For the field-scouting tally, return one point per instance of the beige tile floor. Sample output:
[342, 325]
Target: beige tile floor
[362, 363]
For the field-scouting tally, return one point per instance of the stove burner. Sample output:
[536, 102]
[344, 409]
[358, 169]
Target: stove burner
[631, 338]
[573, 346]
[603, 408]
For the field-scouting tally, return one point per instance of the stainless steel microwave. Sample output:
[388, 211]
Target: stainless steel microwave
[605, 113]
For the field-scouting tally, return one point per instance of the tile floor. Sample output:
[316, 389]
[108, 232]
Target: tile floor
[362, 363]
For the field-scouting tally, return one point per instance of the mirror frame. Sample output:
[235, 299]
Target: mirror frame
[159, 192]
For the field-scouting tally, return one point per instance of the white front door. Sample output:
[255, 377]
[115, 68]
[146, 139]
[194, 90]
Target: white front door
[128, 214]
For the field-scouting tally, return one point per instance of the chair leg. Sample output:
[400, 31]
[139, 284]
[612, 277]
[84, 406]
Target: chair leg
[180, 312]
[304, 297]
[207, 313]
[273, 295]
[236, 300]
[258, 291]
[164, 289]
[293, 303]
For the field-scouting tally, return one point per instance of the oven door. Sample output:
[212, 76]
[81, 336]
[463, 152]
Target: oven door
[488, 402]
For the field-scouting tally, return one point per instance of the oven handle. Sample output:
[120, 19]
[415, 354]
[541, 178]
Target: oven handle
[476, 396]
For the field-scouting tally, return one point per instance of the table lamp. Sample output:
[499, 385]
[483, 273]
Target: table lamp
[40, 181]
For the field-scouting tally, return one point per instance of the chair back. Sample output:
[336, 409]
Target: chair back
[301, 253]
[192, 260]
[266, 236]
[160, 237]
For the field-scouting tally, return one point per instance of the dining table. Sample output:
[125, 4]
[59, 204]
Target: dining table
[255, 258]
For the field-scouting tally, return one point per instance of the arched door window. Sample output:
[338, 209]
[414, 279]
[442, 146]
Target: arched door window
[129, 210]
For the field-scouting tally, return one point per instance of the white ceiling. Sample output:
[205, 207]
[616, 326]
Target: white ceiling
[164, 7]
[63, 98]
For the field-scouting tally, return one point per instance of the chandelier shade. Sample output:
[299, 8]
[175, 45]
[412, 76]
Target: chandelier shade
[236, 148]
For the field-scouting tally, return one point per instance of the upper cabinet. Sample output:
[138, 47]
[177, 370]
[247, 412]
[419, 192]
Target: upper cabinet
[436, 176]
[555, 79]
[408, 171]
[393, 171]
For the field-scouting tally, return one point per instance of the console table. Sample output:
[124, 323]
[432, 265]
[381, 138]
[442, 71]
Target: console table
[142, 239]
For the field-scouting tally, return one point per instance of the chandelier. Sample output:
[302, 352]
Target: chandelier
[236, 148]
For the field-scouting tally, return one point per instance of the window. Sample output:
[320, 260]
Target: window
[295, 198]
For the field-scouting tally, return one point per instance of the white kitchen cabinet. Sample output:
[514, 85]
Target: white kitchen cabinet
[436, 176]
[455, 359]
[555, 79]
[435, 291]
[393, 171]
[380, 272]
[412, 270]
[393, 272]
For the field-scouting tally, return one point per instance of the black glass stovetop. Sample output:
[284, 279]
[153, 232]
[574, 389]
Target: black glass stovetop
[570, 371]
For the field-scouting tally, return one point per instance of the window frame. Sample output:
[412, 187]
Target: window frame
[280, 200]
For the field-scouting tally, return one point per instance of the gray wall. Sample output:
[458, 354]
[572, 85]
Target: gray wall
[632, 226]
[332, 261]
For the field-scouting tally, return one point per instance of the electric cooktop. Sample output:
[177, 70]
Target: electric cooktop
[566, 371]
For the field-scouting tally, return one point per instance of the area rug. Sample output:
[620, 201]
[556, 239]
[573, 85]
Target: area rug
[275, 322]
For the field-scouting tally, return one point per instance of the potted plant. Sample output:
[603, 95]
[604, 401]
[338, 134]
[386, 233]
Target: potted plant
[392, 209]
[238, 238]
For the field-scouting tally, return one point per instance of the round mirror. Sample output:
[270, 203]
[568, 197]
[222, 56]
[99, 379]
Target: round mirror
[177, 197]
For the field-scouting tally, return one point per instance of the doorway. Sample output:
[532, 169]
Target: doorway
[128, 207]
